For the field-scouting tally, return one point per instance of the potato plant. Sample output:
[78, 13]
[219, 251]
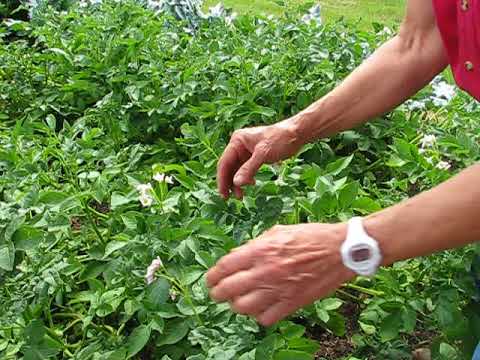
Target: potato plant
[112, 119]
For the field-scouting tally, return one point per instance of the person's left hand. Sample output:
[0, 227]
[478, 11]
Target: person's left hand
[284, 269]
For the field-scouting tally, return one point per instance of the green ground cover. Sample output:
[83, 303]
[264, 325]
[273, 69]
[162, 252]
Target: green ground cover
[365, 12]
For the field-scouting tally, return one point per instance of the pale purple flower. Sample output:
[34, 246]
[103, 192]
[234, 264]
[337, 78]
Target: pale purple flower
[152, 268]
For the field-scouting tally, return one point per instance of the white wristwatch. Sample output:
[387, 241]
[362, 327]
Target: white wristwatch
[360, 252]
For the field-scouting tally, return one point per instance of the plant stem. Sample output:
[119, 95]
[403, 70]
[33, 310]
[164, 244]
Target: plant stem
[364, 290]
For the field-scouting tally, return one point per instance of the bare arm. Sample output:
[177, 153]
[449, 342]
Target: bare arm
[302, 263]
[445, 217]
[395, 72]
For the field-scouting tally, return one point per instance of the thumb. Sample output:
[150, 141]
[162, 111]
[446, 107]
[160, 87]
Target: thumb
[245, 175]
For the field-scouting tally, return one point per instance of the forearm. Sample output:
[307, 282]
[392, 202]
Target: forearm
[395, 72]
[445, 217]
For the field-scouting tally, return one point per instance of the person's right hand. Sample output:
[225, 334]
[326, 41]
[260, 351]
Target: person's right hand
[249, 149]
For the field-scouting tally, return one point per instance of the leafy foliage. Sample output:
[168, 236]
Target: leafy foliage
[96, 101]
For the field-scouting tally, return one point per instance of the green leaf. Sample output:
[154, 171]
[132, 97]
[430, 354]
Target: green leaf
[323, 315]
[137, 340]
[51, 122]
[27, 238]
[266, 349]
[303, 344]
[404, 149]
[447, 351]
[175, 330]
[291, 330]
[395, 162]
[118, 200]
[331, 304]
[92, 270]
[35, 331]
[7, 256]
[409, 319]
[337, 324]
[367, 329]
[186, 308]
[339, 165]
[113, 246]
[365, 205]
[52, 197]
[348, 194]
[157, 293]
[130, 220]
[293, 355]
[390, 327]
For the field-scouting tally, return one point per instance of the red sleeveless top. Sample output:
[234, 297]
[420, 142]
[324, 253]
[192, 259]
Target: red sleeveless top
[459, 24]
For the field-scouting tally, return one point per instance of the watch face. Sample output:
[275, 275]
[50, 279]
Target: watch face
[361, 254]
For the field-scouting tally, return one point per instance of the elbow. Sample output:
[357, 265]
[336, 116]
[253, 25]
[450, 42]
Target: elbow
[423, 46]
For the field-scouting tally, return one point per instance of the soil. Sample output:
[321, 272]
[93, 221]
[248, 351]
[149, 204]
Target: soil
[75, 224]
[102, 208]
[334, 347]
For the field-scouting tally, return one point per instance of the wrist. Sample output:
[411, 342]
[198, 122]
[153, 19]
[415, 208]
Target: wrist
[376, 225]
[338, 234]
[300, 124]
[317, 121]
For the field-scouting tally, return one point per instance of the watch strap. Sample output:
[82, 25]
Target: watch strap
[360, 252]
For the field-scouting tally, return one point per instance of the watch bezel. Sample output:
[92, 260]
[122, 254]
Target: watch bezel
[357, 239]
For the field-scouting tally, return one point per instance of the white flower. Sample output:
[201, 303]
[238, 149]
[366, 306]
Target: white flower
[217, 10]
[315, 13]
[173, 294]
[152, 268]
[444, 90]
[144, 188]
[429, 160]
[415, 105]
[145, 194]
[428, 141]
[163, 178]
[443, 165]
[146, 200]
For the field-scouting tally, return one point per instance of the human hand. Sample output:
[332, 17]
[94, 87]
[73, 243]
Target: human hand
[284, 269]
[249, 149]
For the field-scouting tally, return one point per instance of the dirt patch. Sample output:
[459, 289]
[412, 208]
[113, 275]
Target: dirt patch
[421, 338]
[103, 208]
[332, 346]
[75, 223]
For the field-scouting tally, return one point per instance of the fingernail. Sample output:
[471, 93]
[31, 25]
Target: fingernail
[238, 180]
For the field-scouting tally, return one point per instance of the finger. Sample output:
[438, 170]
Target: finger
[289, 303]
[237, 284]
[246, 174]
[255, 302]
[229, 264]
[228, 164]
[238, 192]
[276, 312]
